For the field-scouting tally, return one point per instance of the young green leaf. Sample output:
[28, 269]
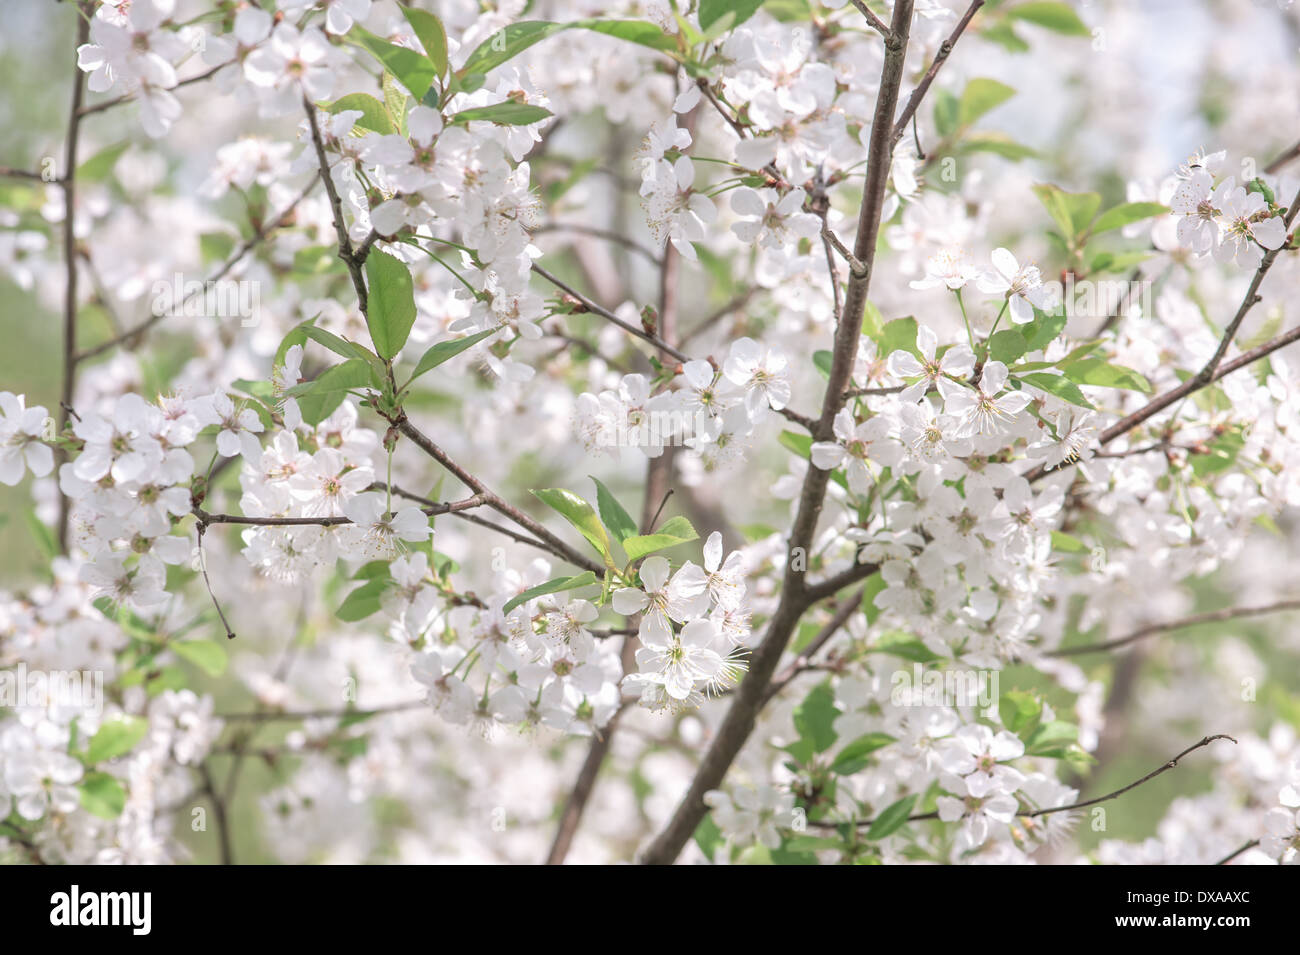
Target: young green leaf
[1055, 16]
[442, 351]
[616, 519]
[553, 586]
[677, 530]
[102, 795]
[208, 655]
[364, 600]
[317, 399]
[853, 757]
[391, 310]
[412, 70]
[892, 819]
[115, 737]
[1057, 385]
[508, 113]
[431, 34]
[373, 115]
[979, 97]
[1126, 214]
[578, 513]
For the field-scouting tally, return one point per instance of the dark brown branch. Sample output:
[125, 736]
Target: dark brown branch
[739, 720]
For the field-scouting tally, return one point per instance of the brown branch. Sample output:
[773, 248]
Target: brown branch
[1213, 616]
[918, 94]
[1232, 855]
[495, 501]
[606, 314]
[609, 235]
[738, 722]
[1283, 159]
[219, 814]
[121, 100]
[803, 661]
[1215, 368]
[1163, 768]
[449, 507]
[873, 21]
[69, 183]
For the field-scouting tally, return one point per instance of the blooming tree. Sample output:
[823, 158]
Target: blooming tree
[656, 430]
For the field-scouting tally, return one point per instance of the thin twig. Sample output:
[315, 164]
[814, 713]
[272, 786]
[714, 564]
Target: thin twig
[1213, 616]
[918, 94]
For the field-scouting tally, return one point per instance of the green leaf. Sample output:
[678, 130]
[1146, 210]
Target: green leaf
[1000, 144]
[873, 323]
[814, 718]
[578, 513]
[677, 530]
[1007, 345]
[822, 359]
[1052, 738]
[1052, 15]
[892, 819]
[317, 399]
[1071, 211]
[431, 34]
[899, 335]
[1042, 331]
[507, 43]
[98, 166]
[708, 836]
[115, 738]
[364, 600]
[1002, 33]
[317, 260]
[513, 39]
[616, 519]
[872, 587]
[713, 10]
[900, 644]
[339, 346]
[395, 100]
[640, 32]
[981, 95]
[208, 655]
[442, 351]
[102, 795]
[391, 310]
[1096, 371]
[852, 758]
[374, 116]
[42, 534]
[1057, 385]
[1222, 453]
[945, 112]
[1020, 710]
[508, 113]
[1126, 214]
[552, 586]
[412, 70]
[1067, 543]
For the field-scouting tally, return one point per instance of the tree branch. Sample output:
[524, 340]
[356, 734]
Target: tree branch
[918, 94]
[738, 722]
[1213, 616]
